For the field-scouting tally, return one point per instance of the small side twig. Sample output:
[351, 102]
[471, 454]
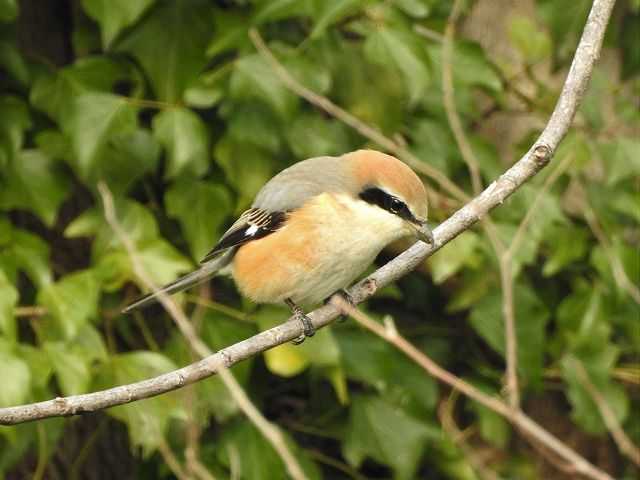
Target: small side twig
[624, 443]
[516, 417]
[269, 431]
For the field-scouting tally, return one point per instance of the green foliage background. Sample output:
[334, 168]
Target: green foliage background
[169, 103]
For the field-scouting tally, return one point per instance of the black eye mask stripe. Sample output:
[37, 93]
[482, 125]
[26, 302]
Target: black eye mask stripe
[386, 201]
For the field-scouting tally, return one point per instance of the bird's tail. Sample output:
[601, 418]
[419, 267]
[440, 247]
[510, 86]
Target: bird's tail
[204, 273]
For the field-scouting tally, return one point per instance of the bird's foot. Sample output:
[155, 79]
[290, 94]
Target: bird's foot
[346, 296]
[308, 330]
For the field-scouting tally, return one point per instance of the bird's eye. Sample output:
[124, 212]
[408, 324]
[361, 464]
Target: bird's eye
[395, 205]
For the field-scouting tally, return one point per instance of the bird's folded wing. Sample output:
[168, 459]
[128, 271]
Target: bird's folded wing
[253, 224]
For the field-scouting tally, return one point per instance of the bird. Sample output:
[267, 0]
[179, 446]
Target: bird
[313, 229]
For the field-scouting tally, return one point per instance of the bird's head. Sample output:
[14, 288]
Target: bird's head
[390, 185]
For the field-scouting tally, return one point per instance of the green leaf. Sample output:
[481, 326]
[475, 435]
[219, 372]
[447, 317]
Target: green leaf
[531, 317]
[402, 52]
[70, 368]
[190, 201]
[565, 20]
[471, 67]
[14, 63]
[147, 420]
[533, 43]
[71, 301]
[185, 137]
[113, 17]
[567, 244]
[8, 302]
[170, 45]
[332, 11]
[28, 253]
[246, 167]
[14, 120]
[415, 8]
[96, 118]
[255, 123]
[55, 94]
[34, 183]
[16, 378]
[259, 460]
[162, 262]
[386, 434]
[274, 10]
[125, 158]
[8, 10]
[371, 360]
[454, 256]
[253, 78]
[313, 135]
[622, 159]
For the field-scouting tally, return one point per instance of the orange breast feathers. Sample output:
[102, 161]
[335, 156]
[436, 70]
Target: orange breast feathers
[270, 269]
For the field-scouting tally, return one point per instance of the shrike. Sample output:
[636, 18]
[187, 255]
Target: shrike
[313, 229]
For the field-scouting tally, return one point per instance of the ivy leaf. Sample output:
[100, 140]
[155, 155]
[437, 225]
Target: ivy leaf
[115, 16]
[373, 361]
[162, 262]
[246, 167]
[95, 119]
[531, 319]
[16, 378]
[386, 434]
[8, 302]
[147, 420]
[259, 459]
[71, 301]
[24, 251]
[55, 94]
[189, 202]
[70, 368]
[404, 53]
[253, 78]
[170, 45]
[332, 11]
[185, 137]
[533, 43]
[454, 256]
[34, 183]
[8, 10]
[14, 120]
[313, 135]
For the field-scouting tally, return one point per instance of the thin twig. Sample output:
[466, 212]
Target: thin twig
[445, 413]
[516, 417]
[624, 443]
[470, 159]
[30, 311]
[171, 460]
[270, 432]
[448, 97]
[619, 274]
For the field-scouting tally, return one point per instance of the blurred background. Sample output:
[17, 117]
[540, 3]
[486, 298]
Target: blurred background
[173, 107]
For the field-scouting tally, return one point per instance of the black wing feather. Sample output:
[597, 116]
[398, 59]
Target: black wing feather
[253, 224]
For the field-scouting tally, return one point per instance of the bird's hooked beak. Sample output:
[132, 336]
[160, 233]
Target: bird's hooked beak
[423, 232]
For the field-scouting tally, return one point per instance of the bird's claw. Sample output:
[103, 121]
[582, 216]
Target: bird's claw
[308, 330]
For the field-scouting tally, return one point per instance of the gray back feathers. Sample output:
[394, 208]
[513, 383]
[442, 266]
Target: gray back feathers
[292, 187]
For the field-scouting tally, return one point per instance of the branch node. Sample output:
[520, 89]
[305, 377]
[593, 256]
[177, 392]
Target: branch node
[542, 154]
